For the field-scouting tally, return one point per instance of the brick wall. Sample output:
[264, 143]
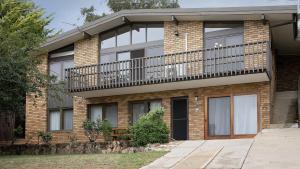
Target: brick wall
[256, 31]
[288, 73]
[87, 52]
[196, 108]
[36, 108]
[175, 44]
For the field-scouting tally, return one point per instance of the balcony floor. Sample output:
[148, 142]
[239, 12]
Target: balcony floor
[189, 84]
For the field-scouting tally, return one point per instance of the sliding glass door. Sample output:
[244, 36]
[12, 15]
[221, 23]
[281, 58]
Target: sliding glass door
[245, 114]
[219, 116]
[232, 116]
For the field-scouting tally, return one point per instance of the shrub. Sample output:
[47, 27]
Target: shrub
[93, 129]
[106, 129]
[16, 133]
[46, 137]
[150, 128]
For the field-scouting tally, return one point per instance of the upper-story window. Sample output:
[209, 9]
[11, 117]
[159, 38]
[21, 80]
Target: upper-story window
[60, 105]
[133, 34]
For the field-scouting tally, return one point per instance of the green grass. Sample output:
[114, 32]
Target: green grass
[105, 161]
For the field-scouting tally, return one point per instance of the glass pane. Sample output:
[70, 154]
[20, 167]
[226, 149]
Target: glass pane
[111, 115]
[54, 120]
[123, 56]
[68, 119]
[107, 58]
[67, 64]
[96, 112]
[123, 37]
[138, 33]
[108, 40]
[155, 51]
[221, 27]
[155, 104]
[124, 67]
[138, 110]
[55, 70]
[219, 116]
[155, 32]
[245, 114]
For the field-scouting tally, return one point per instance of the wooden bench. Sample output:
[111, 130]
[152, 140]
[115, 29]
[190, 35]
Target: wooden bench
[119, 132]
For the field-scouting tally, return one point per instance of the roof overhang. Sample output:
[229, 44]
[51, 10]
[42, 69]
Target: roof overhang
[274, 14]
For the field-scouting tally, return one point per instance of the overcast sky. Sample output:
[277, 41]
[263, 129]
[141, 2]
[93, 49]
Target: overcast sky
[66, 13]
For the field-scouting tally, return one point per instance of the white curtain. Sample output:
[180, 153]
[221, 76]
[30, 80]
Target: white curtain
[245, 114]
[155, 104]
[111, 115]
[96, 112]
[138, 110]
[54, 120]
[68, 119]
[219, 116]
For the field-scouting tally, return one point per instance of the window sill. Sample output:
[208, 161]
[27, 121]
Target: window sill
[61, 131]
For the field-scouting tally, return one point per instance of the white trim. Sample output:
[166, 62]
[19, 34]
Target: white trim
[68, 53]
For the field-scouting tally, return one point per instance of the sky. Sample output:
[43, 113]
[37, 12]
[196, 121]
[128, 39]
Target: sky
[66, 13]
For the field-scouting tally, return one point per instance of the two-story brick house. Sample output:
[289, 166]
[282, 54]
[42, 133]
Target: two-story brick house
[213, 71]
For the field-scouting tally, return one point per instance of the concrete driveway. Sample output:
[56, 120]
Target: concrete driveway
[272, 148]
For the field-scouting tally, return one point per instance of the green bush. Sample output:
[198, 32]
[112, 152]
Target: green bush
[46, 137]
[93, 129]
[150, 128]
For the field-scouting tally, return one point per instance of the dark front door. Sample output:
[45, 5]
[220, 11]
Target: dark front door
[180, 118]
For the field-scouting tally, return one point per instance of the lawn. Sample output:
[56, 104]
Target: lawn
[105, 161]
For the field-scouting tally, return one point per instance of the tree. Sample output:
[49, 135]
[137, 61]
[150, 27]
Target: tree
[117, 5]
[89, 14]
[22, 30]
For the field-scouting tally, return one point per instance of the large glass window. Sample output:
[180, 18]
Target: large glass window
[108, 40]
[134, 34]
[138, 33]
[123, 36]
[60, 119]
[57, 68]
[155, 32]
[108, 112]
[223, 41]
[140, 108]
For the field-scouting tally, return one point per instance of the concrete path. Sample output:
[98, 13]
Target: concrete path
[271, 149]
[275, 149]
[177, 154]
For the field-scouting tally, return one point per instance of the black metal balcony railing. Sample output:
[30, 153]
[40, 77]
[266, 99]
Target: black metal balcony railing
[200, 64]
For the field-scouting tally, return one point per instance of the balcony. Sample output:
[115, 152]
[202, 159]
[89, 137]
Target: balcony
[241, 63]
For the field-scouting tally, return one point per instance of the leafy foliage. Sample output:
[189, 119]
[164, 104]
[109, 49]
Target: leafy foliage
[22, 30]
[117, 5]
[46, 136]
[150, 128]
[16, 133]
[93, 129]
[89, 14]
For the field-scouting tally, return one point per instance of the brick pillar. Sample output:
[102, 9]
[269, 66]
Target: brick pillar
[86, 52]
[256, 31]
[36, 108]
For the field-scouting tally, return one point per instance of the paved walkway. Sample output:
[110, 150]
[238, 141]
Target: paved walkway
[272, 148]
